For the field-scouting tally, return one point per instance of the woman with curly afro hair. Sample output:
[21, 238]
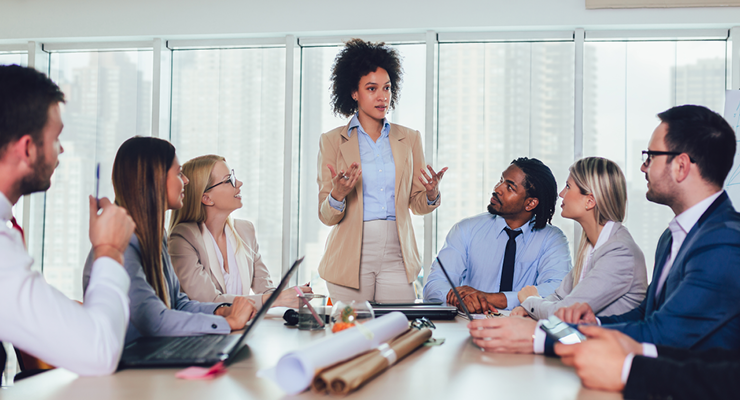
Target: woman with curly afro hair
[370, 174]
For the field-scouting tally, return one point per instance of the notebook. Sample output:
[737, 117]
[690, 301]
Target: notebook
[184, 351]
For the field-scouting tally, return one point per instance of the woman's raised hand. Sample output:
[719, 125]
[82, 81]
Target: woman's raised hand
[431, 183]
[343, 183]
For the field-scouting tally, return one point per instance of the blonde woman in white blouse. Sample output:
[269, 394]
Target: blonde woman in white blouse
[215, 257]
[609, 272]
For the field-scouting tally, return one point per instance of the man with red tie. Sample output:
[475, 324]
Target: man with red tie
[35, 317]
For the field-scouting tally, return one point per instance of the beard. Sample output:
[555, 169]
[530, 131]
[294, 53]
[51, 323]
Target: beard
[492, 210]
[40, 180]
[659, 191]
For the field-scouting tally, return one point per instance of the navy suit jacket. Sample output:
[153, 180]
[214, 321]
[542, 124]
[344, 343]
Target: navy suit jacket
[685, 374]
[699, 306]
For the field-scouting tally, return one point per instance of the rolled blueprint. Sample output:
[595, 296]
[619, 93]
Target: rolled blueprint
[349, 375]
[295, 371]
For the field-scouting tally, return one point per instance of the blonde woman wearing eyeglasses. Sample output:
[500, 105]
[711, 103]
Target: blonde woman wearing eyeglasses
[215, 256]
[610, 273]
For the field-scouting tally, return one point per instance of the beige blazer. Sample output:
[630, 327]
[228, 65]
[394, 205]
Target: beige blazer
[341, 262]
[202, 279]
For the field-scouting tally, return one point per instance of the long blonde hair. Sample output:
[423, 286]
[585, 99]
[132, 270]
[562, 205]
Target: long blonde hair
[604, 180]
[140, 184]
[199, 171]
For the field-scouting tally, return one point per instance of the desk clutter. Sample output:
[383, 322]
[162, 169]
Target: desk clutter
[344, 361]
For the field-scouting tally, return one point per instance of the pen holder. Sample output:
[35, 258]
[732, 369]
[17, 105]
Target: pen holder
[306, 319]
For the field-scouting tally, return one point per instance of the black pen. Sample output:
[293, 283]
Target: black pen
[97, 186]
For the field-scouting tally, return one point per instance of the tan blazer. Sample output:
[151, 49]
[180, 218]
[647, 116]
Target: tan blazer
[202, 280]
[341, 262]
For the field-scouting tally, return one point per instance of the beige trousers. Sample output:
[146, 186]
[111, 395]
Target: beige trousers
[382, 273]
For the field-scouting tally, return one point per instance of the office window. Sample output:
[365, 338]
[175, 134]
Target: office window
[231, 102]
[108, 100]
[625, 85]
[18, 58]
[498, 102]
[317, 118]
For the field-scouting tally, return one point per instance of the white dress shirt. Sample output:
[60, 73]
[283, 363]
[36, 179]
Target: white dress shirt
[38, 319]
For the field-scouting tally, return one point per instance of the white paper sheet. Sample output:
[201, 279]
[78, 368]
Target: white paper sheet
[295, 371]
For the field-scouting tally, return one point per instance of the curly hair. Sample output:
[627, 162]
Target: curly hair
[357, 59]
[539, 182]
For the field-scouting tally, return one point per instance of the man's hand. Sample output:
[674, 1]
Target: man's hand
[240, 311]
[504, 335]
[577, 313]
[475, 300]
[110, 232]
[598, 361]
[526, 292]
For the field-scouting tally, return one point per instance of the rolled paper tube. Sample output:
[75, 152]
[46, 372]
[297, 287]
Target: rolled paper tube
[348, 376]
[295, 371]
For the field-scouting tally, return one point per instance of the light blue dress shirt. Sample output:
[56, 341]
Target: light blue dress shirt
[473, 255]
[378, 174]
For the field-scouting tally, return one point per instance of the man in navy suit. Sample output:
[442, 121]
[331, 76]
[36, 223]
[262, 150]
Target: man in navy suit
[693, 301]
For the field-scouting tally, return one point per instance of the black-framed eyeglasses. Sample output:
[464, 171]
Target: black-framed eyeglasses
[230, 179]
[647, 155]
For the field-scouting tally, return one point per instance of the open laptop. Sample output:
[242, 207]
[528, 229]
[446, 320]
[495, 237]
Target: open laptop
[179, 351]
[454, 290]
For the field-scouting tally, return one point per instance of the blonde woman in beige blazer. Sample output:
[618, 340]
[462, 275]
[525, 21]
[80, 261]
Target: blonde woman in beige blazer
[216, 258]
[371, 251]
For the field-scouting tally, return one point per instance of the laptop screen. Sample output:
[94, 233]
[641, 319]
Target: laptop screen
[265, 307]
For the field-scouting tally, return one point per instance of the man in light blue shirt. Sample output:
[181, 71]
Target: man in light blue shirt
[493, 255]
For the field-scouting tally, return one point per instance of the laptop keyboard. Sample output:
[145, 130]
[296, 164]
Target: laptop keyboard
[192, 347]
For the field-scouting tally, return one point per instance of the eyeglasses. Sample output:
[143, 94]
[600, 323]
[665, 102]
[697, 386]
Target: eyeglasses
[230, 179]
[647, 155]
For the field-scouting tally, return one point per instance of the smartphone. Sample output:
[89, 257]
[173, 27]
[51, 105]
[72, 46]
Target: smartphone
[562, 332]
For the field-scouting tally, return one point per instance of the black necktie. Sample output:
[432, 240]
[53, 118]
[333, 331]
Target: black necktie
[507, 272]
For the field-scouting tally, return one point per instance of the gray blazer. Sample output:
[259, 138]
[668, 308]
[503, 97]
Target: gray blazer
[149, 315]
[615, 281]
[203, 281]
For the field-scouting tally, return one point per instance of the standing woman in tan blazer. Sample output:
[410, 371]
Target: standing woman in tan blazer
[370, 174]
[215, 256]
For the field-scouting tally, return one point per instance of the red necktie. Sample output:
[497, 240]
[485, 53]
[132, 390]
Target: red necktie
[18, 228]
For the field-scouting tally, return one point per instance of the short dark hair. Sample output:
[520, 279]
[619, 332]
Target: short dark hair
[705, 136]
[539, 182]
[357, 59]
[25, 98]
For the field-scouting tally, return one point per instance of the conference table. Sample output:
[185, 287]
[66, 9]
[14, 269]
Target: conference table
[457, 369]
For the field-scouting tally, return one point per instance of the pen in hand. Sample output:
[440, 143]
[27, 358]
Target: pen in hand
[97, 186]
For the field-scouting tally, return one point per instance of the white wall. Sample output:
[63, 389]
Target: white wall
[50, 20]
